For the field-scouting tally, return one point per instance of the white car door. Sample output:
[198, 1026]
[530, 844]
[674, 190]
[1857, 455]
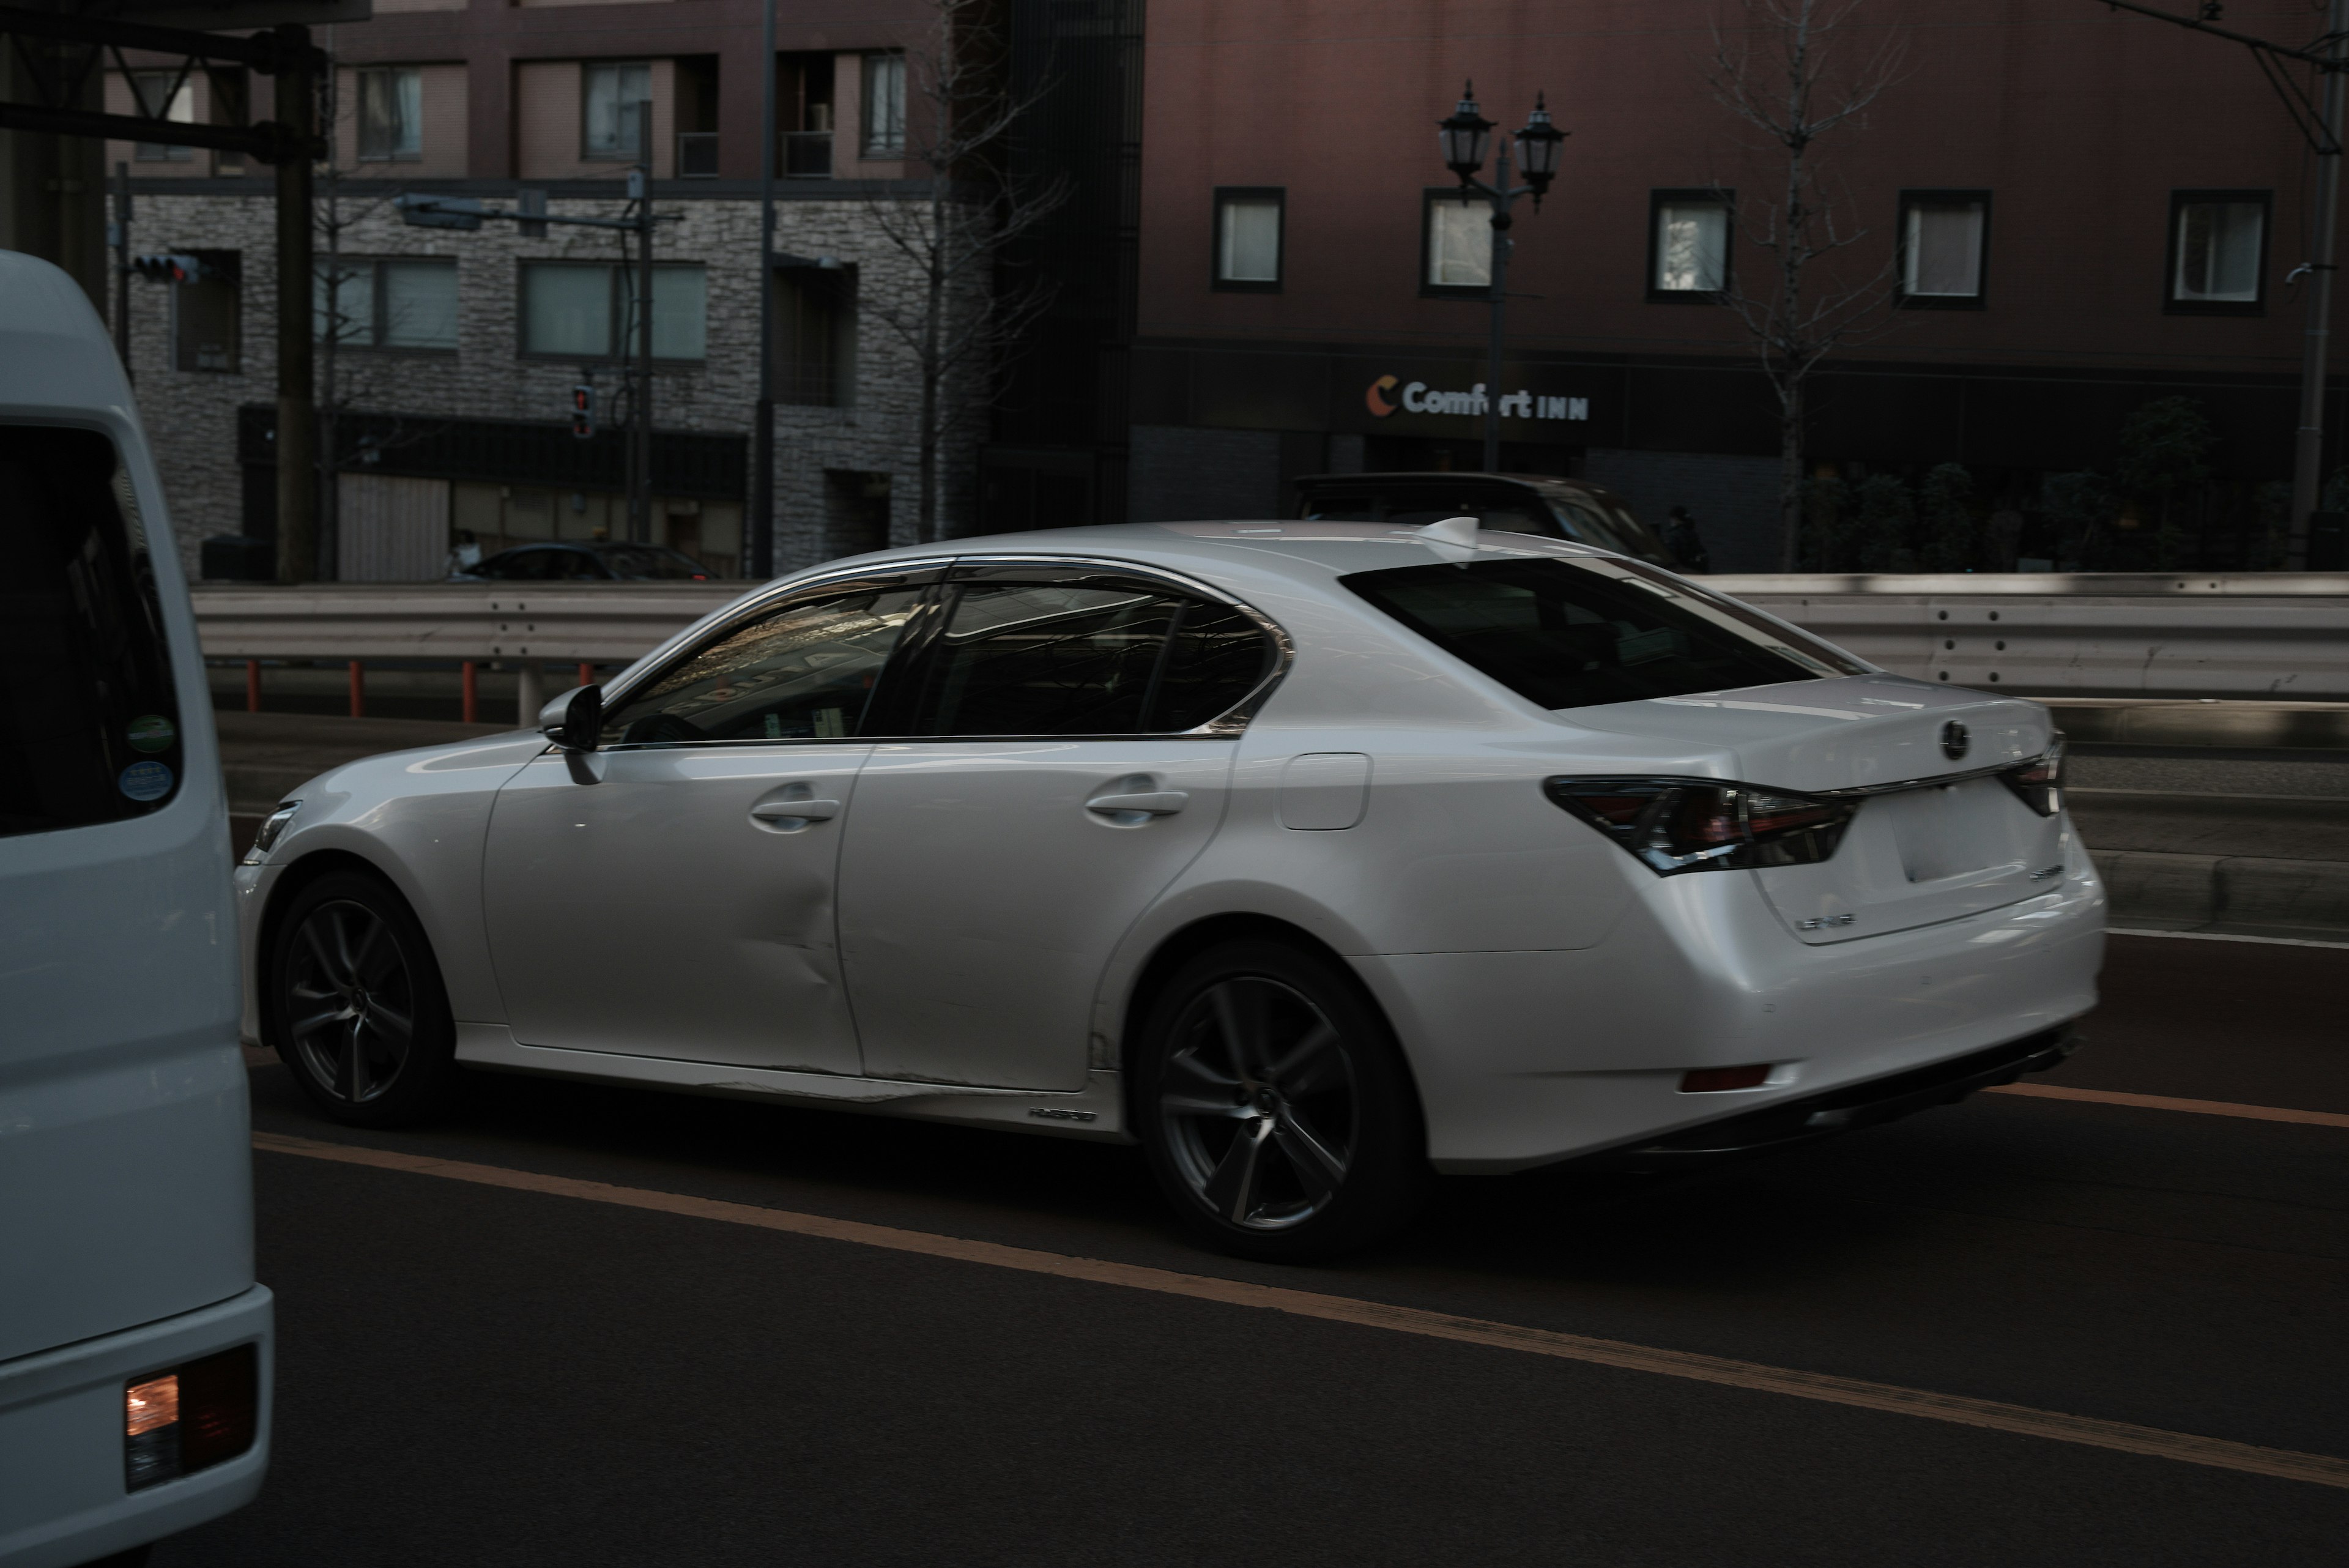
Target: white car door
[672, 893]
[1063, 774]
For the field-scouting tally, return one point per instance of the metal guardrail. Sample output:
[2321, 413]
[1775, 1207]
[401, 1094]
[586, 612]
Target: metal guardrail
[2274, 636]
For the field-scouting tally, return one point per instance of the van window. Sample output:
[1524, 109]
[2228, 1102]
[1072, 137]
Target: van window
[90, 725]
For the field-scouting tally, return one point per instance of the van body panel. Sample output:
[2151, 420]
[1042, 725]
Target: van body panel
[126, 1189]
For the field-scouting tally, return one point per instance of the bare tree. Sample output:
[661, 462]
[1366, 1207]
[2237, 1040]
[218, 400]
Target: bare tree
[1783, 73]
[956, 120]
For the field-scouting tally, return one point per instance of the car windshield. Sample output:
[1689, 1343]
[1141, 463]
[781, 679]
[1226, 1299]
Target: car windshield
[645, 562]
[1578, 634]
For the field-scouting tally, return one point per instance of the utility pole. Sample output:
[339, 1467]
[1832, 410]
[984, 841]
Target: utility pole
[761, 563]
[2308, 444]
[640, 424]
[297, 426]
[2322, 125]
[121, 236]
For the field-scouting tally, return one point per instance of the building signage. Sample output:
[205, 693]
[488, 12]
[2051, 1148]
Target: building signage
[1383, 399]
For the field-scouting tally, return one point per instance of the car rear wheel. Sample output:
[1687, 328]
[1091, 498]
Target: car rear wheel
[357, 1008]
[1278, 1114]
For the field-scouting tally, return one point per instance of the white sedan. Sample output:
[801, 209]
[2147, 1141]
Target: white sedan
[1313, 858]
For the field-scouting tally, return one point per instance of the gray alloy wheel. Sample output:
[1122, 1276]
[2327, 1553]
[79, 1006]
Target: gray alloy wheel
[1257, 1104]
[350, 1002]
[355, 1005]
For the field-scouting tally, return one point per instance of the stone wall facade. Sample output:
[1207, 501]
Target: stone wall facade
[192, 415]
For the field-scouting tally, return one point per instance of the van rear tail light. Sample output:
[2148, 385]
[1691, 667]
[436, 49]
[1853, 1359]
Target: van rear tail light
[2039, 781]
[177, 1422]
[1694, 824]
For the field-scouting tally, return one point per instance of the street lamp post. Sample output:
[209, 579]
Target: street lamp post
[1465, 137]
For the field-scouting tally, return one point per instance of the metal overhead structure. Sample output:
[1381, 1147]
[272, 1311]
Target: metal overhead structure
[62, 54]
[2319, 120]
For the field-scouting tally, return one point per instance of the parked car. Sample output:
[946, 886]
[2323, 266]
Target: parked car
[596, 561]
[1312, 856]
[135, 1346]
[1506, 503]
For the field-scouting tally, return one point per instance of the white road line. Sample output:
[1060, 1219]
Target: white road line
[2170, 1103]
[2225, 937]
[2320, 1469]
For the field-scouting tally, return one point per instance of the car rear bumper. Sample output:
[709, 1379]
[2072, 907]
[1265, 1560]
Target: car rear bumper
[1790, 1122]
[63, 1499]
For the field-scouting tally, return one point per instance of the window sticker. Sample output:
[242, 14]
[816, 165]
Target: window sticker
[145, 781]
[152, 733]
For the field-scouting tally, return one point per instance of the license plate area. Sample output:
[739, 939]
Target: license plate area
[1917, 857]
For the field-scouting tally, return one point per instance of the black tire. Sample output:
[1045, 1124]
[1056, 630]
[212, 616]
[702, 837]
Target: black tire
[355, 1004]
[1274, 1106]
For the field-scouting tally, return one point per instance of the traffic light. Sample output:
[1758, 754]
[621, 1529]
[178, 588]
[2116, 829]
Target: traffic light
[583, 411]
[168, 268]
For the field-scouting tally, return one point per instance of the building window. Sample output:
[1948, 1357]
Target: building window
[1688, 243]
[2217, 252]
[614, 99]
[586, 310]
[392, 115]
[884, 106]
[163, 95]
[815, 335]
[1944, 239]
[1457, 243]
[393, 303]
[1248, 239]
[206, 315]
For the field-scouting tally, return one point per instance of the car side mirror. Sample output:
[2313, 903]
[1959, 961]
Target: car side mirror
[575, 719]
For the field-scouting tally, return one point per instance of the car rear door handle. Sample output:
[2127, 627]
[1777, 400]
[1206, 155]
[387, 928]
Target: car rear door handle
[1149, 802]
[785, 810]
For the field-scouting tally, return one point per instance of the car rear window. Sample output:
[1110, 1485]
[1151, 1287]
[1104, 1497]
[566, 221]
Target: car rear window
[90, 724]
[1577, 634]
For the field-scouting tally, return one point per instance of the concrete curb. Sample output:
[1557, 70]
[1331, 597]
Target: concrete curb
[2181, 891]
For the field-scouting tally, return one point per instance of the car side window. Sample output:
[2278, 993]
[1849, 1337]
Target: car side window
[1094, 658]
[573, 566]
[805, 671]
[518, 565]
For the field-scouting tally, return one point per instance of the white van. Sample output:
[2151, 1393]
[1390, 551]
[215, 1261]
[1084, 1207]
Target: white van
[135, 1347]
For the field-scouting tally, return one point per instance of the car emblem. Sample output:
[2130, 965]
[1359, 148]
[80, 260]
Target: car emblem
[1953, 739]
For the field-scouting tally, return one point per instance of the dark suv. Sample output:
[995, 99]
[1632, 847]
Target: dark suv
[1506, 503]
[597, 562]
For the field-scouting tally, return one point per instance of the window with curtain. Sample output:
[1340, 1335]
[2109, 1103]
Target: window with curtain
[1459, 241]
[391, 114]
[1942, 247]
[586, 310]
[163, 95]
[613, 96]
[1248, 239]
[1690, 244]
[884, 106]
[2218, 243]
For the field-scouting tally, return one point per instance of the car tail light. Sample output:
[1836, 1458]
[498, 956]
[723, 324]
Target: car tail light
[1694, 824]
[178, 1422]
[2039, 781]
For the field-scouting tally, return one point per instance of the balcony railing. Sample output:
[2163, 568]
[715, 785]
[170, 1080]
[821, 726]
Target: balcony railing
[697, 155]
[807, 154]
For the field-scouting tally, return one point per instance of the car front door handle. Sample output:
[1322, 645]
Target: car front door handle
[1149, 802]
[805, 810]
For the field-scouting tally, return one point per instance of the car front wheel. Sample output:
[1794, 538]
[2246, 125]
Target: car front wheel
[357, 1008]
[1274, 1106]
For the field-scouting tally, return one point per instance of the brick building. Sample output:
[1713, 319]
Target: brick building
[455, 353]
[2076, 212]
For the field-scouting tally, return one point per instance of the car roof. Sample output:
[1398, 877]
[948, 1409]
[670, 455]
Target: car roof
[1240, 554]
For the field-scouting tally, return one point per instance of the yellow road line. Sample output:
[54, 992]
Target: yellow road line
[2323, 1469]
[2170, 1103]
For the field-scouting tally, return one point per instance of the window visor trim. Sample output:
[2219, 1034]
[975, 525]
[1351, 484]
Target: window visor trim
[935, 572]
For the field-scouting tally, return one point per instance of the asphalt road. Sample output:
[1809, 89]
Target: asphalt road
[471, 1375]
